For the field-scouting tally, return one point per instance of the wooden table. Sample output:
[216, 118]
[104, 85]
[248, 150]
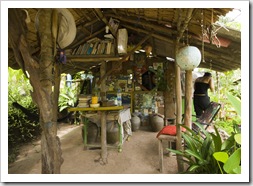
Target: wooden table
[103, 111]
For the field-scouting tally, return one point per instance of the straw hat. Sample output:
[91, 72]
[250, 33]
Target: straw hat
[67, 27]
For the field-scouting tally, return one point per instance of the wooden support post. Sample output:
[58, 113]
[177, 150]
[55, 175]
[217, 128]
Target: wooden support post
[103, 138]
[178, 112]
[103, 116]
[188, 98]
[160, 148]
[169, 93]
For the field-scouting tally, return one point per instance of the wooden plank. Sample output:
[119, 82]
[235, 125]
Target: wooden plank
[93, 58]
[95, 109]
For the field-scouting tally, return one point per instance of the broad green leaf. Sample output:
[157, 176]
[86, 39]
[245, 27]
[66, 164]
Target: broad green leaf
[238, 138]
[221, 156]
[228, 143]
[237, 170]
[233, 162]
[235, 102]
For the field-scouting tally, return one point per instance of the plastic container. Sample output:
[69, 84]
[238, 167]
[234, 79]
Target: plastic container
[122, 41]
[119, 98]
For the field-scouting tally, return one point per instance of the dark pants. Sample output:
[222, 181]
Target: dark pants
[200, 104]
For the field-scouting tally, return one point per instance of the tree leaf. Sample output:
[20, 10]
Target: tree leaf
[238, 138]
[221, 156]
[235, 102]
[233, 162]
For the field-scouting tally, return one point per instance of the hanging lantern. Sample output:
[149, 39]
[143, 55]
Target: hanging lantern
[188, 57]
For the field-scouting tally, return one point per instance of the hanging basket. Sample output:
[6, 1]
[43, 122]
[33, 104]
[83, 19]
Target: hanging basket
[188, 57]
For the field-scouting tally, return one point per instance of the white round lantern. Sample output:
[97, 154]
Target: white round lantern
[188, 57]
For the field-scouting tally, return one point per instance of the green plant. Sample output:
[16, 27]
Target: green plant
[199, 149]
[67, 99]
[229, 158]
[207, 153]
[23, 126]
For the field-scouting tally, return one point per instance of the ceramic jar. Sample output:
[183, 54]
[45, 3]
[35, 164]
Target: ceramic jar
[156, 122]
[135, 122]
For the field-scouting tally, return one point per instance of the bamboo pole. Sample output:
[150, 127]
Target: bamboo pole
[178, 112]
[188, 98]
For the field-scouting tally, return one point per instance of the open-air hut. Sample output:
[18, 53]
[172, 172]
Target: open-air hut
[35, 35]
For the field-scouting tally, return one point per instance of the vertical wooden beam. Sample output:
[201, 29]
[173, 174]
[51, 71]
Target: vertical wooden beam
[103, 116]
[169, 93]
[188, 98]
[178, 111]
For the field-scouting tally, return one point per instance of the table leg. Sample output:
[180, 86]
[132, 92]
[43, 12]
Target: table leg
[103, 138]
[160, 147]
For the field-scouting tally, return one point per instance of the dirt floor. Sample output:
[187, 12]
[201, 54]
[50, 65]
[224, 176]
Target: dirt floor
[139, 155]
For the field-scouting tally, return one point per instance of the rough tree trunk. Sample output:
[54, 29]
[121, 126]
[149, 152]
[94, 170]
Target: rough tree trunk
[43, 81]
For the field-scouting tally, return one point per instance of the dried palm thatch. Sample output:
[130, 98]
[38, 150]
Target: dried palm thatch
[221, 49]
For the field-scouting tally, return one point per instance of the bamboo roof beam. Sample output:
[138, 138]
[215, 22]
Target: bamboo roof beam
[147, 32]
[103, 18]
[144, 24]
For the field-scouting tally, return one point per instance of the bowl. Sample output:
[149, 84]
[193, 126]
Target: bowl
[95, 105]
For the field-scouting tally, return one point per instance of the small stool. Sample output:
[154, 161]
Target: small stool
[160, 138]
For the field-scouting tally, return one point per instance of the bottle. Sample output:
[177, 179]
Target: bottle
[119, 98]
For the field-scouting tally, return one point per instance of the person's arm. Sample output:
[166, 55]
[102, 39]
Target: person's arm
[211, 84]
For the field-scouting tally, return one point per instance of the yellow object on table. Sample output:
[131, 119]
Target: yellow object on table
[94, 99]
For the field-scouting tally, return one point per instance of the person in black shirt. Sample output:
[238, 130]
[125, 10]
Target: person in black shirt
[201, 99]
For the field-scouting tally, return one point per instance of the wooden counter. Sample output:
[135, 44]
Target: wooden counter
[103, 111]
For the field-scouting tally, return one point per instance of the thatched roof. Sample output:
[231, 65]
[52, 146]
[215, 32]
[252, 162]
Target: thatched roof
[163, 25]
